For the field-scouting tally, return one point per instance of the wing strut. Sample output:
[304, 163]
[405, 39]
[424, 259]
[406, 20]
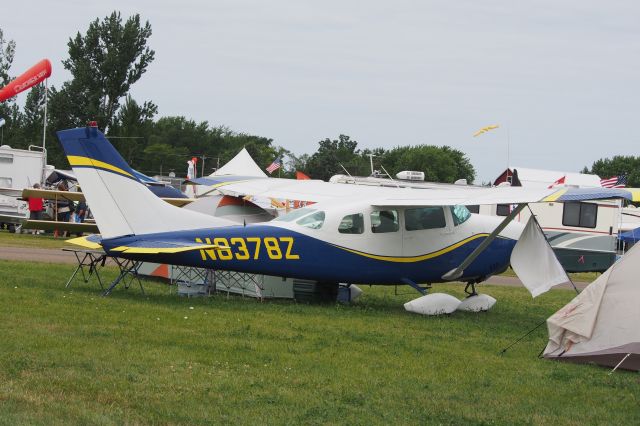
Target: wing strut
[456, 273]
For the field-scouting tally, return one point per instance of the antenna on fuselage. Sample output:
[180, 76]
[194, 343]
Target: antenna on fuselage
[345, 170]
[392, 179]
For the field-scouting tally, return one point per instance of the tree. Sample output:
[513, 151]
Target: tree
[618, 165]
[331, 154]
[104, 64]
[8, 109]
[132, 127]
[439, 164]
[32, 117]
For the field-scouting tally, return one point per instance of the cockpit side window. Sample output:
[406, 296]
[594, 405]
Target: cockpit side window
[313, 221]
[424, 218]
[384, 221]
[460, 214]
[352, 224]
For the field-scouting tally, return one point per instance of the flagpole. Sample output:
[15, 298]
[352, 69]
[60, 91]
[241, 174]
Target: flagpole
[508, 143]
[44, 130]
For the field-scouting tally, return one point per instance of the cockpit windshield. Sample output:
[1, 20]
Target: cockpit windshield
[293, 215]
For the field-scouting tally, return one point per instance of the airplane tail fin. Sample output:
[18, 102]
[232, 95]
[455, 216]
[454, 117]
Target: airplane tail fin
[120, 203]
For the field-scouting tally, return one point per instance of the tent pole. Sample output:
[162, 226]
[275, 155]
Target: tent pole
[521, 337]
[618, 365]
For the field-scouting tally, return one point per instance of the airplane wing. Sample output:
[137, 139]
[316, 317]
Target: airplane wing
[318, 191]
[50, 225]
[10, 192]
[505, 195]
[51, 194]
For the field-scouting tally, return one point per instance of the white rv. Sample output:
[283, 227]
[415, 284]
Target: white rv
[584, 235]
[19, 169]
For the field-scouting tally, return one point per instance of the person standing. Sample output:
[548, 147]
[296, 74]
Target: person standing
[63, 210]
[36, 207]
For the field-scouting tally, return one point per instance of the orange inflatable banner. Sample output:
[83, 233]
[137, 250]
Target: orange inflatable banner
[34, 75]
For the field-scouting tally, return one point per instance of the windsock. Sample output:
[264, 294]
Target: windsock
[485, 130]
[34, 75]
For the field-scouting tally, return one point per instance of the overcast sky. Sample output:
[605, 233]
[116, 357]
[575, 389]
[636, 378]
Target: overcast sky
[561, 78]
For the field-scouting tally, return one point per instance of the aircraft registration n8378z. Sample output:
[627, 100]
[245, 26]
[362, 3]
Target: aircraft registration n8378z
[359, 234]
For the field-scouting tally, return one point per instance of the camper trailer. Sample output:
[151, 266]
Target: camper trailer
[584, 235]
[19, 169]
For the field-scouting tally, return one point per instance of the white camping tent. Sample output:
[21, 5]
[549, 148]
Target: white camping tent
[240, 165]
[600, 325]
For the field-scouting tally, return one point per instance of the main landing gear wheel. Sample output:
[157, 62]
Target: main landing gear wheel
[475, 302]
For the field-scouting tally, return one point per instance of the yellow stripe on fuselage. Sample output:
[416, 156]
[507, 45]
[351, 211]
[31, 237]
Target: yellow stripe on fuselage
[412, 259]
[75, 160]
[554, 196]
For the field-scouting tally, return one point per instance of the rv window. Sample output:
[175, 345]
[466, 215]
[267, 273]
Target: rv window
[6, 158]
[460, 214]
[384, 221]
[503, 209]
[474, 209]
[6, 182]
[352, 224]
[313, 221]
[583, 215]
[424, 218]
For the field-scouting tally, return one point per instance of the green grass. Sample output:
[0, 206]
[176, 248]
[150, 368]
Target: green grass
[69, 356]
[8, 239]
[583, 277]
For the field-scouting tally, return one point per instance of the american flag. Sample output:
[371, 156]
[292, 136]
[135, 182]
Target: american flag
[614, 182]
[277, 163]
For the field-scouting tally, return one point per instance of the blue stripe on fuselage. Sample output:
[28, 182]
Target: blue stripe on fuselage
[311, 258]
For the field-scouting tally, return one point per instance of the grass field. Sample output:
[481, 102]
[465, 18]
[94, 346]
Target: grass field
[8, 239]
[69, 356]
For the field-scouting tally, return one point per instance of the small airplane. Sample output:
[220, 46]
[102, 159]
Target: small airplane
[378, 236]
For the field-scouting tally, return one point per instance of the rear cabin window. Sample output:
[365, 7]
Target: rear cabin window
[313, 221]
[384, 221]
[474, 209]
[503, 209]
[352, 224]
[424, 218]
[583, 215]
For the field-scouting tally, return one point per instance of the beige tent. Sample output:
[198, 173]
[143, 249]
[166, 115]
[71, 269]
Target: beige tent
[602, 324]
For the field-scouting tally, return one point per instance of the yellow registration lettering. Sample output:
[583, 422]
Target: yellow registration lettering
[207, 252]
[273, 248]
[256, 252]
[243, 252]
[288, 255]
[224, 251]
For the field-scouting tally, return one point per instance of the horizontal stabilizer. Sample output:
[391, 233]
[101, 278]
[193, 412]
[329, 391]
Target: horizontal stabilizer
[163, 247]
[90, 241]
